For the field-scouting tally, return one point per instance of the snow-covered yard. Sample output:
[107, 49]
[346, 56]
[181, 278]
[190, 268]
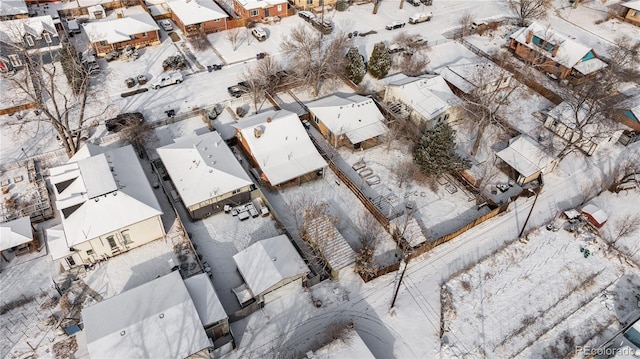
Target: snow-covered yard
[543, 295]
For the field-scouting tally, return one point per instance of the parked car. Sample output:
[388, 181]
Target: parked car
[414, 2]
[91, 65]
[418, 41]
[395, 48]
[142, 79]
[239, 89]
[123, 120]
[306, 15]
[166, 80]
[259, 33]
[130, 82]
[420, 17]
[166, 25]
[324, 26]
[112, 56]
[395, 25]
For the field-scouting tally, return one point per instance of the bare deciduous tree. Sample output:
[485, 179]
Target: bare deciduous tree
[465, 23]
[368, 229]
[233, 35]
[403, 171]
[527, 10]
[262, 79]
[627, 226]
[140, 135]
[414, 59]
[314, 58]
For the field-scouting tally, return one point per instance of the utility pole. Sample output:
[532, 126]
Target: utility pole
[376, 5]
[530, 211]
[401, 3]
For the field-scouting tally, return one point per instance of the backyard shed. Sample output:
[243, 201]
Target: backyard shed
[527, 158]
[334, 249]
[16, 237]
[595, 215]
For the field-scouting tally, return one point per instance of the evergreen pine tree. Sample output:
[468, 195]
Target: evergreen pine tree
[380, 61]
[435, 152]
[355, 66]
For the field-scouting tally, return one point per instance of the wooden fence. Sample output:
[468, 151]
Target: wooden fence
[245, 312]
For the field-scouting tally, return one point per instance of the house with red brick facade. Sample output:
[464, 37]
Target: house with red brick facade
[632, 14]
[555, 53]
[195, 17]
[257, 10]
[132, 26]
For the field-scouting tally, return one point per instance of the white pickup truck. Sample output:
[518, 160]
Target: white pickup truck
[166, 80]
[420, 17]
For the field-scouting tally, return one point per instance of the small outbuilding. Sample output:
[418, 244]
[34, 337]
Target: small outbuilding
[16, 237]
[325, 238]
[595, 215]
[526, 158]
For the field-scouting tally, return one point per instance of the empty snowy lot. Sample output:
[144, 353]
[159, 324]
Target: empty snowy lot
[537, 298]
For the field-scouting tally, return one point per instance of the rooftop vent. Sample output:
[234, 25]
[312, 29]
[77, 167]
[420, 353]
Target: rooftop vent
[257, 131]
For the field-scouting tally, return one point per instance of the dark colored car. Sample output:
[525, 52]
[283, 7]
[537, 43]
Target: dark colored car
[239, 89]
[414, 2]
[123, 120]
[324, 26]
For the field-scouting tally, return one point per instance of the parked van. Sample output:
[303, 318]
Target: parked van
[73, 25]
[420, 17]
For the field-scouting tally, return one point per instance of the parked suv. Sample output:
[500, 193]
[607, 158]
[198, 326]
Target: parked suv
[238, 90]
[166, 80]
[306, 15]
[324, 26]
[259, 34]
[123, 120]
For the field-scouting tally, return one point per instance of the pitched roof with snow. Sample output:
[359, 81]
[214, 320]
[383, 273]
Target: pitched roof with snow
[191, 12]
[355, 116]
[15, 233]
[635, 5]
[113, 29]
[202, 167]
[595, 212]
[525, 156]
[205, 299]
[57, 242]
[267, 262]
[335, 249]
[284, 150]
[102, 193]
[14, 30]
[13, 7]
[260, 4]
[631, 104]
[468, 75]
[350, 345]
[570, 52]
[428, 95]
[155, 320]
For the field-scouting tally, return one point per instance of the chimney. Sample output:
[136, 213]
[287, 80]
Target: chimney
[257, 131]
[555, 50]
[269, 120]
[119, 14]
[529, 36]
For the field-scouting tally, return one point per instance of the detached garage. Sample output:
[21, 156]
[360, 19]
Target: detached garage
[595, 215]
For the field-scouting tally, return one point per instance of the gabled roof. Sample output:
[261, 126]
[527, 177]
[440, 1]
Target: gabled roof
[284, 150]
[468, 75]
[202, 167]
[570, 53]
[13, 31]
[57, 242]
[631, 104]
[355, 116]
[205, 299]
[635, 5]
[525, 156]
[155, 320]
[595, 212]
[15, 233]
[335, 249]
[92, 205]
[428, 95]
[191, 12]
[13, 7]
[267, 262]
[112, 29]
[259, 4]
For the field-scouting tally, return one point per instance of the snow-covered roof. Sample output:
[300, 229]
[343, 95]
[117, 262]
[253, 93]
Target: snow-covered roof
[57, 242]
[15, 233]
[114, 29]
[525, 156]
[595, 212]
[269, 261]
[631, 104]
[259, 4]
[92, 206]
[335, 249]
[191, 12]
[570, 52]
[13, 7]
[350, 345]
[205, 299]
[635, 5]
[14, 30]
[409, 228]
[202, 167]
[154, 320]
[284, 150]
[355, 116]
[467, 75]
[428, 95]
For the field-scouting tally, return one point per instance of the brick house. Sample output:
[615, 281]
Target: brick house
[256, 10]
[632, 15]
[13, 9]
[310, 4]
[555, 53]
[35, 37]
[195, 17]
[132, 26]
